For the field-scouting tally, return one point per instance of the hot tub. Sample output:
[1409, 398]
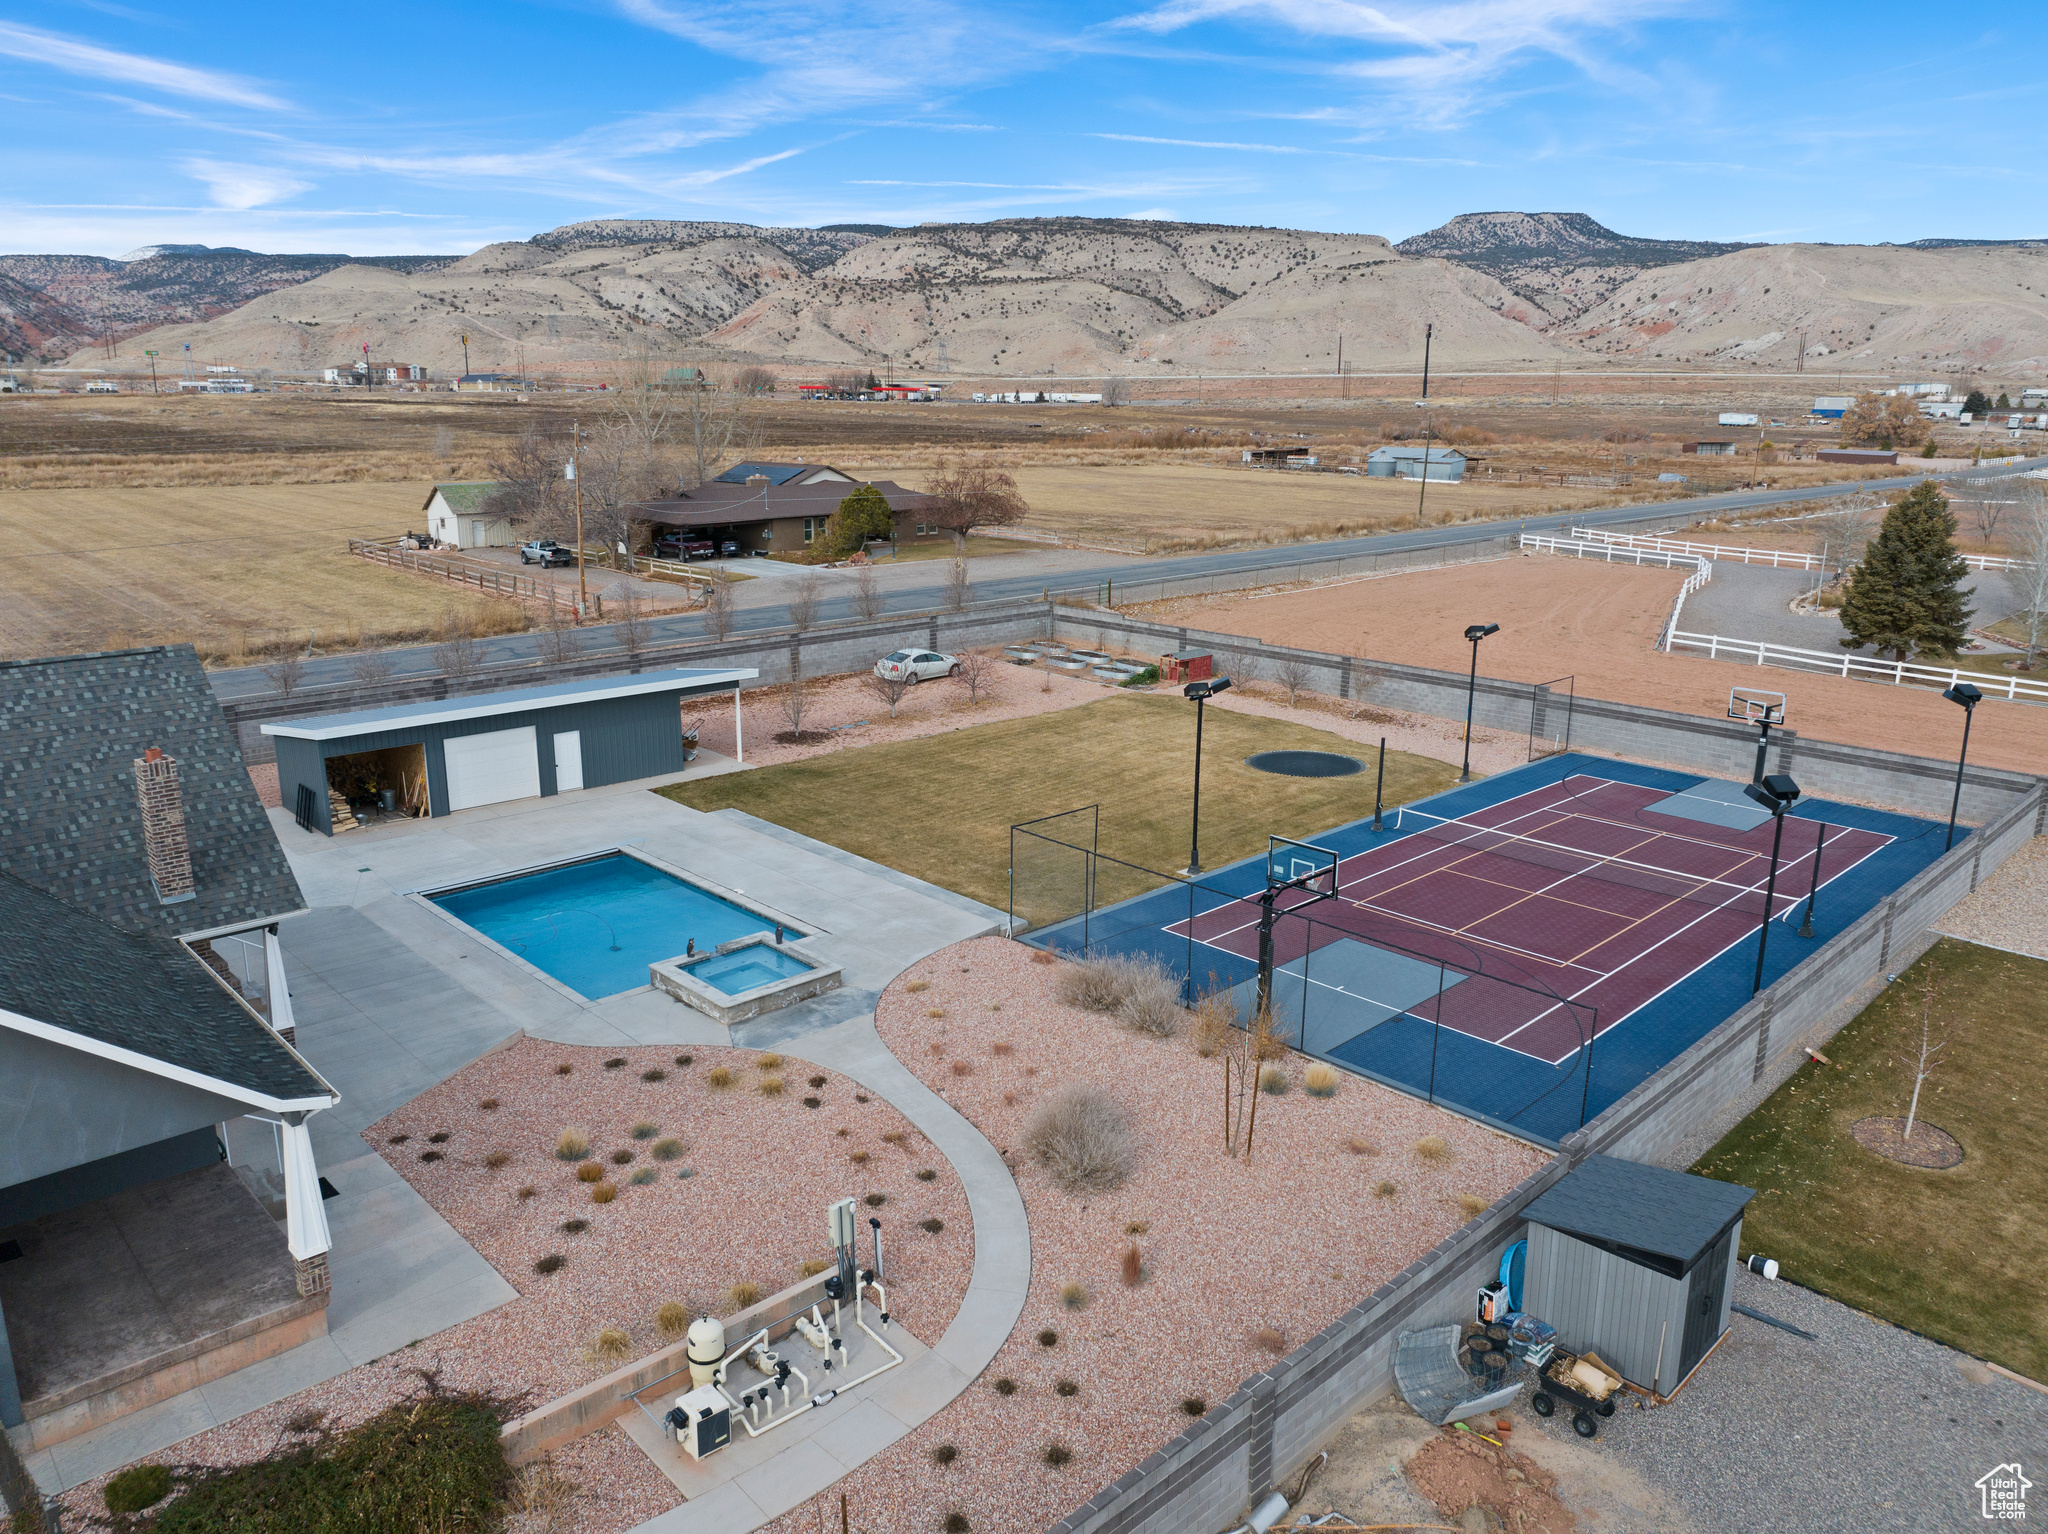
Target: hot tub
[744, 978]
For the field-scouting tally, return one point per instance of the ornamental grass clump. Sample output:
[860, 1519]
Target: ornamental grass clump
[673, 1319]
[643, 1131]
[718, 1078]
[1320, 1080]
[590, 1171]
[643, 1177]
[572, 1144]
[612, 1342]
[603, 1192]
[1434, 1149]
[668, 1150]
[1083, 1140]
[1139, 992]
[742, 1294]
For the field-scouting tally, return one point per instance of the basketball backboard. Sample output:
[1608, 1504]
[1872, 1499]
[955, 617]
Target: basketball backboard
[1302, 866]
[1756, 705]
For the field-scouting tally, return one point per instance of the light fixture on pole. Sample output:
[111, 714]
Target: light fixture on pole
[1201, 692]
[1969, 697]
[1776, 793]
[1474, 632]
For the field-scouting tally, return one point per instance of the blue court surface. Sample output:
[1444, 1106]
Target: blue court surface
[1528, 948]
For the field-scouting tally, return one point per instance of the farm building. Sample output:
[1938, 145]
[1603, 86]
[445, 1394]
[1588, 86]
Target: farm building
[1709, 449]
[1637, 1264]
[452, 754]
[1856, 455]
[1832, 407]
[459, 514]
[1404, 462]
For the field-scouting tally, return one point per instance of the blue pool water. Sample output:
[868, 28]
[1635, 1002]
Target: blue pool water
[745, 968]
[596, 926]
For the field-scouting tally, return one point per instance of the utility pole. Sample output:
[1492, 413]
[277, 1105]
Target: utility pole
[1422, 495]
[575, 455]
[1802, 353]
[1343, 393]
[152, 370]
[465, 352]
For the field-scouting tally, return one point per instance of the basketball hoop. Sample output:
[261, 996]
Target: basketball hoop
[1762, 708]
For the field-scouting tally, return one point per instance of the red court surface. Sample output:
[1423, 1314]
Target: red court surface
[1556, 913]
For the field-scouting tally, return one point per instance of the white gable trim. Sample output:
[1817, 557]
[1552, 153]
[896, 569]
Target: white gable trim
[50, 1033]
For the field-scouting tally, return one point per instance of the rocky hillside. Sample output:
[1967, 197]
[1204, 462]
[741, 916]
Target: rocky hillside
[1561, 263]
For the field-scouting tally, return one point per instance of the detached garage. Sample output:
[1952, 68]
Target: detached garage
[453, 754]
[1637, 1264]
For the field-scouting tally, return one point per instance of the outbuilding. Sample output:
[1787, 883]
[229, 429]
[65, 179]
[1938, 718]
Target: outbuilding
[1439, 463]
[439, 756]
[1637, 1264]
[1857, 455]
[463, 514]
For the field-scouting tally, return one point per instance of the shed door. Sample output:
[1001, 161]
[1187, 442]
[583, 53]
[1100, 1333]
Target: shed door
[1703, 1303]
[568, 760]
[490, 769]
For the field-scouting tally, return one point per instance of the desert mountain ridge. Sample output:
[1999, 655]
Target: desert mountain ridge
[1076, 296]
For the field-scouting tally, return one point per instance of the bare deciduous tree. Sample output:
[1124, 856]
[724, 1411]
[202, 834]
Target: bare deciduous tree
[444, 443]
[371, 668]
[976, 672]
[2029, 544]
[718, 607]
[1841, 531]
[629, 618]
[285, 673]
[754, 380]
[794, 700]
[958, 591]
[867, 594]
[969, 495]
[888, 689]
[530, 488]
[1920, 1063]
[1116, 391]
[456, 654]
[559, 641]
[1292, 674]
[806, 591]
[1986, 512]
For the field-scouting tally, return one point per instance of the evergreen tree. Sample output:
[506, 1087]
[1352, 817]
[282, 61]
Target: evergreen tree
[1976, 403]
[862, 515]
[1907, 594]
[2004, 401]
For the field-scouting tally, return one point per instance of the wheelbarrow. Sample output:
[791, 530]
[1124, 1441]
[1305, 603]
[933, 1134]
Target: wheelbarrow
[1582, 1382]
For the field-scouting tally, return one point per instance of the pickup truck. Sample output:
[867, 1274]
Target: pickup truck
[677, 546]
[545, 552]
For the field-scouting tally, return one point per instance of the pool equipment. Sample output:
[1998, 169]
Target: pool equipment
[705, 1348]
[701, 1421]
[1762, 1266]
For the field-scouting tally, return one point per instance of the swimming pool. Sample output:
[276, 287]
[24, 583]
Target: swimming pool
[596, 925]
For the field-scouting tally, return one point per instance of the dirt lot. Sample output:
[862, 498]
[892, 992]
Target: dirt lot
[236, 571]
[1599, 623]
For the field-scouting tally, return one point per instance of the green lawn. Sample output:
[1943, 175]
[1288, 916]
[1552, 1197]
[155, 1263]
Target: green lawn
[941, 807]
[1951, 1253]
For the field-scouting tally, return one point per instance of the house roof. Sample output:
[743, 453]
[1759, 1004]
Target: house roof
[783, 473]
[71, 728]
[1643, 1213]
[1406, 454]
[724, 500]
[464, 497]
[142, 994]
[485, 705]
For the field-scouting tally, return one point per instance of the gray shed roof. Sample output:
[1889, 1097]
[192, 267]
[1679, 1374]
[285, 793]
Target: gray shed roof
[1626, 1207]
[1404, 454]
[141, 993]
[518, 700]
[71, 728]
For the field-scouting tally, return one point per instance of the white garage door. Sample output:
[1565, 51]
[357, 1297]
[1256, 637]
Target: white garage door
[489, 769]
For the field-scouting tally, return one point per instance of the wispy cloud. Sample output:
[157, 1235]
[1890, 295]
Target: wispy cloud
[241, 187]
[1193, 143]
[81, 58]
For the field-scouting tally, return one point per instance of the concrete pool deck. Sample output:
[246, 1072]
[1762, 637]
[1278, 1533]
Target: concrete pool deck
[392, 997]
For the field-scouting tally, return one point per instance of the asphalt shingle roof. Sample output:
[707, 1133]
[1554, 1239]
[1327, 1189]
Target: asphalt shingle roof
[71, 728]
[144, 993]
[1614, 1203]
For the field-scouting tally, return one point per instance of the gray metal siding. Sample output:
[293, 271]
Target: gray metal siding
[1605, 1304]
[302, 761]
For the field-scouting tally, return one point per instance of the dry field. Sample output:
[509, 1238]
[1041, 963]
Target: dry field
[1600, 623]
[236, 571]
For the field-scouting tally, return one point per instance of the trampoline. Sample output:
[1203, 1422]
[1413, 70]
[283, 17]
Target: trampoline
[1305, 764]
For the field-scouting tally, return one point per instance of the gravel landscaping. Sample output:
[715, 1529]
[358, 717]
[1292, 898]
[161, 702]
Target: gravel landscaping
[2010, 908]
[761, 1170]
[1232, 1263]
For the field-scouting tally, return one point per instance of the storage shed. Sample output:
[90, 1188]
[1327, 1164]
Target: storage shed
[1637, 1264]
[1404, 462]
[458, 753]
[462, 515]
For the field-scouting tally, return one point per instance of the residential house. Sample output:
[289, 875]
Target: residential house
[161, 1222]
[491, 383]
[460, 514]
[779, 508]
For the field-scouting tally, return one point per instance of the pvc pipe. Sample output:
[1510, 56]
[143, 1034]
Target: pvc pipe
[1264, 1516]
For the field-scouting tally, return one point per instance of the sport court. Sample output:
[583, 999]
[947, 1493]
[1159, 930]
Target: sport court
[1527, 948]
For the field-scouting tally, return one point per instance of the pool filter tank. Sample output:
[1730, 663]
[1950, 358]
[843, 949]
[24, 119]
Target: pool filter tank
[705, 1348]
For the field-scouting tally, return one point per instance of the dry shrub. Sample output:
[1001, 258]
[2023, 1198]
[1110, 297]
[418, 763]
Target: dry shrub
[742, 1294]
[1271, 1339]
[1000, 1048]
[1320, 1080]
[1359, 1147]
[1434, 1149]
[528, 1190]
[1132, 1266]
[1066, 1387]
[552, 1263]
[498, 1158]
[564, 1068]
[1215, 1016]
[643, 1177]
[673, 1319]
[612, 1342]
[590, 1171]
[931, 1226]
[1153, 1008]
[944, 1454]
[1384, 1189]
[876, 1200]
[430, 1155]
[1042, 956]
[654, 1073]
[770, 1086]
[622, 1157]
[1083, 1139]
[811, 1267]
[1073, 1296]
[718, 1078]
[1273, 1081]
[770, 1062]
[859, 1158]
[963, 1067]
[1473, 1205]
[1195, 1406]
[918, 985]
[817, 1081]
[574, 1227]
[894, 1137]
[1137, 1227]
[926, 1174]
[1005, 1386]
[439, 1137]
[603, 1192]
[488, 1103]
[1138, 991]
[668, 1150]
[1048, 1338]
[684, 1060]
[934, 1011]
[572, 1144]
[615, 1062]
[1057, 1454]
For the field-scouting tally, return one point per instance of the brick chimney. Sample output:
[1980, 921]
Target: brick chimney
[163, 826]
[757, 481]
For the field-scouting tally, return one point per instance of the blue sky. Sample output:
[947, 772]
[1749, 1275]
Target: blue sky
[381, 127]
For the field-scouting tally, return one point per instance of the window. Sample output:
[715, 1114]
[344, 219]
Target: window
[812, 527]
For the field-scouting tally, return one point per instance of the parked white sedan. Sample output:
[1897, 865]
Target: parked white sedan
[915, 666]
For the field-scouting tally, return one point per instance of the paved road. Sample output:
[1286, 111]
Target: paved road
[920, 587]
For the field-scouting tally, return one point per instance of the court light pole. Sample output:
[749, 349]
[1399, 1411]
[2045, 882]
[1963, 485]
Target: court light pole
[1474, 632]
[1776, 793]
[1969, 697]
[1201, 692]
